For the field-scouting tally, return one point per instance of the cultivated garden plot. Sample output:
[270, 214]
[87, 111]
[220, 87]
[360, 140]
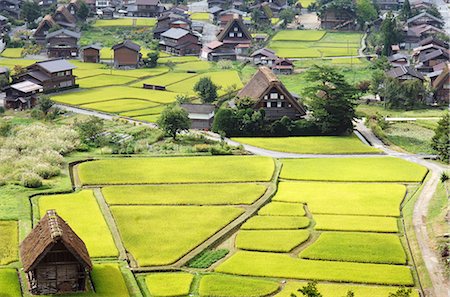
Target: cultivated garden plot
[83, 214]
[311, 144]
[383, 169]
[333, 290]
[270, 240]
[356, 247]
[176, 170]
[8, 242]
[9, 283]
[285, 266]
[184, 194]
[376, 199]
[169, 284]
[160, 235]
[233, 286]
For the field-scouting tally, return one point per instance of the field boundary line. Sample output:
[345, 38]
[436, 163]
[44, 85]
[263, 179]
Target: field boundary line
[104, 208]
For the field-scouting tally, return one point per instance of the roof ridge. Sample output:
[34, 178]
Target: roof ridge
[53, 224]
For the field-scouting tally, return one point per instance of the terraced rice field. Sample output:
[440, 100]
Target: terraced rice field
[9, 283]
[169, 284]
[224, 79]
[315, 44]
[126, 22]
[270, 240]
[275, 222]
[9, 242]
[356, 223]
[184, 194]
[175, 230]
[165, 79]
[122, 105]
[311, 144]
[176, 170]
[103, 80]
[282, 209]
[232, 286]
[85, 218]
[12, 53]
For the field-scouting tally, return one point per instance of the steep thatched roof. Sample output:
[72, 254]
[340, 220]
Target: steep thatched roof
[236, 20]
[50, 230]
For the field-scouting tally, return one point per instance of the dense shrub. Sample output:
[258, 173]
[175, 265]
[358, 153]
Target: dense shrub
[225, 64]
[31, 180]
[207, 258]
[47, 171]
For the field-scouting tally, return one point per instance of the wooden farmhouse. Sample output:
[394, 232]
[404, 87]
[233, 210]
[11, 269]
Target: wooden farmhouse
[425, 18]
[201, 115]
[216, 50]
[64, 18]
[399, 59]
[404, 73]
[63, 44]
[414, 35]
[73, 7]
[283, 66]
[91, 53]
[22, 95]
[426, 61]
[441, 86]
[180, 42]
[170, 20]
[144, 8]
[52, 75]
[333, 18]
[10, 7]
[127, 54]
[54, 258]
[43, 28]
[271, 95]
[236, 35]
[264, 56]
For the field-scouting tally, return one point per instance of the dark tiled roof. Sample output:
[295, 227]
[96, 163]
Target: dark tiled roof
[433, 40]
[424, 14]
[94, 46]
[199, 108]
[433, 55]
[265, 52]
[56, 65]
[50, 230]
[128, 44]
[64, 32]
[175, 33]
[398, 72]
[397, 57]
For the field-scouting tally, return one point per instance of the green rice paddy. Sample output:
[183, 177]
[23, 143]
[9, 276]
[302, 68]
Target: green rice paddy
[12, 53]
[270, 240]
[9, 242]
[282, 209]
[234, 286]
[9, 283]
[121, 105]
[169, 284]
[126, 22]
[356, 223]
[275, 222]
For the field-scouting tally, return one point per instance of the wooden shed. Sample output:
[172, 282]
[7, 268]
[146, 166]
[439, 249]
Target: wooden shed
[127, 54]
[54, 258]
[91, 53]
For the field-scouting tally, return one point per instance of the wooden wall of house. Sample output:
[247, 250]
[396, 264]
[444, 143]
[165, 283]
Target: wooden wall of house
[125, 57]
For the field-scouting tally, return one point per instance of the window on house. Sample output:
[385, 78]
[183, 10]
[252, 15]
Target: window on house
[268, 104]
[266, 97]
[274, 104]
[273, 95]
[68, 71]
[231, 34]
[279, 104]
[235, 29]
[282, 96]
[239, 34]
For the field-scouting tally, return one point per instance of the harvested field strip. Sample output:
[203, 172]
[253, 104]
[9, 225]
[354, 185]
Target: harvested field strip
[275, 222]
[383, 169]
[9, 283]
[169, 284]
[356, 247]
[282, 209]
[174, 231]
[83, 214]
[176, 170]
[284, 266]
[376, 199]
[9, 241]
[185, 194]
[121, 105]
[356, 223]
[270, 240]
[311, 144]
[235, 286]
[333, 290]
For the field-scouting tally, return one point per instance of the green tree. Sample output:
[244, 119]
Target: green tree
[83, 11]
[206, 89]
[403, 95]
[350, 293]
[45, 104]
[365, 12]
[310, 290]
[182, 98]
[31, 11]
[440, 141]
[90, 130]
[152, 59]
[406, 10]
[331, 100]
[390, 32]
[402, 292]
[225, 121]
[287, 15]
[173, 120]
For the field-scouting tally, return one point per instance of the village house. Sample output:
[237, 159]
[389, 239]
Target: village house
[63, 44]
[427, 46]
[170, 20]
[215, 12]
[236, 35]
[441, 85]
[107, 13]
[269, 94]
[388, 4]
[64, 18]
[274, 6]
[224, 4]
[52, 75]
[55, 260]
[73, 7]
[404, 73]
[4, 24]
[22, 95]
[216, 50]
[424, 18]
[421, 4]
[415, 34]
[43, 28]
[180, 42]
[399, 59]
[264, 56]
[91, 53]
[426, 61]
[283, 66]
[332, 18]
[228, 15]
[201, 115]
[127, 54]
[10, 7]
[144, 8]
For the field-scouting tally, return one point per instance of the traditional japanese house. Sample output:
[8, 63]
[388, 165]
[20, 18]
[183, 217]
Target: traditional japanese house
[228, 15]
[283, 66]
[441, 86]
[201, 115]
[52, 75]
[216, 50]
[215, 12]
[236, 35]
[427, 60]
[397, 60]
[388, 4]
[10, 7]
[425, 18]
[43, 28]
[180, 42]
[91, 53]
[107, 13]
[404, 73]
[3, 24]
[332, 18]
[22, 95]
[264, 56]
[64, 18]
[417, 33]
[144, 8]
[170, 20]
[63, 44]
[269, 94]
[73, 7]
[127, 54]
[224, 4]
[275, 6]
[54, 258]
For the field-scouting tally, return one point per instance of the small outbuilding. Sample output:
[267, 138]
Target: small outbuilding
[91, 53]
[22, 95]
[127, 54]
[54, 258]
[201, 115]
